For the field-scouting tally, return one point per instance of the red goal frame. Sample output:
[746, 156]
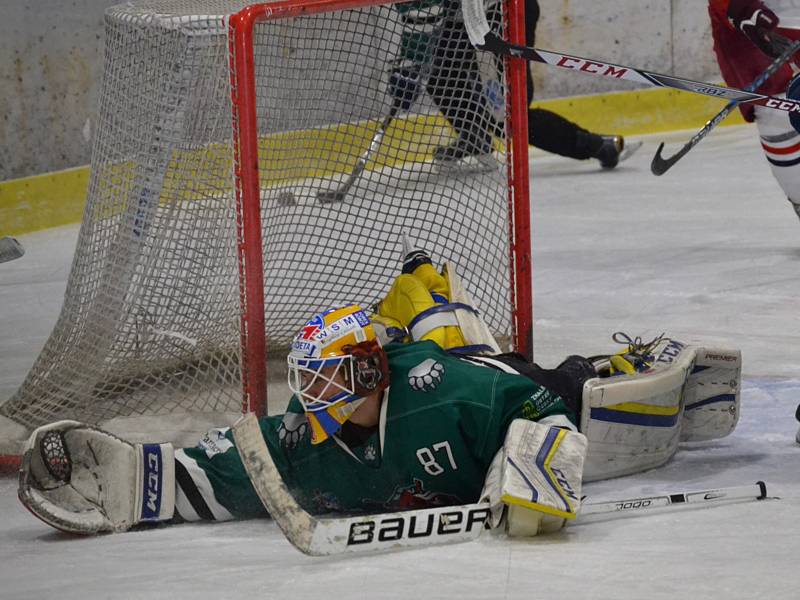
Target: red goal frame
[249, 241]
[246, 175]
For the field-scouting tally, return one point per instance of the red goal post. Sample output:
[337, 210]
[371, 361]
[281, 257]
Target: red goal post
[180, 212]
[243, 90]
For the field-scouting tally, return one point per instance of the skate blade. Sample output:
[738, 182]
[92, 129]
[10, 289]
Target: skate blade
[331, 196]
[629, 150]
[484, 163]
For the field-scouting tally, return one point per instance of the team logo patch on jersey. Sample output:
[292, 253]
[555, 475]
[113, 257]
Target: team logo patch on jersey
[426, 376]
[413, 496]
[370, 453]
[215, 442]
[539, 402]
[293, 428]
[326, 502]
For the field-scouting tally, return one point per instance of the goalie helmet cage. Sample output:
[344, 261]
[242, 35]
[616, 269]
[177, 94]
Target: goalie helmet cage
[203, 245]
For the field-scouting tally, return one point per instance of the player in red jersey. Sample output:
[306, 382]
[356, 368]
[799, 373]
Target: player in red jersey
[748, 35]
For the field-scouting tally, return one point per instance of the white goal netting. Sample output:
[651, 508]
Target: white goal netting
[151, 327]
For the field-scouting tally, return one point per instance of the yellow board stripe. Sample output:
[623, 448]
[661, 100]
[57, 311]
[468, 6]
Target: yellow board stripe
[42, 201]
[640, 112]
[53, 199]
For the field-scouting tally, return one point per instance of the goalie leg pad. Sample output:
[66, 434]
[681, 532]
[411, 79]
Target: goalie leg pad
[474, 329]
[84, 480]
[712, 395]
[633, 421]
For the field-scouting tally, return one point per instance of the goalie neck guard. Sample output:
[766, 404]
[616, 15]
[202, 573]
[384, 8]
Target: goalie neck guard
[335, 362]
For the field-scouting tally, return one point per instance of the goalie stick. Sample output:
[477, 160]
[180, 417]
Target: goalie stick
[425, 527]
[10, 249]
[758, 490]
[661, 165]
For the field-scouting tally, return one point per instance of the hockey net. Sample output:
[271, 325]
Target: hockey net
[203, 241]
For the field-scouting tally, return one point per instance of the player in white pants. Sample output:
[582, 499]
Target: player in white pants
[781, 144]
[748, 35]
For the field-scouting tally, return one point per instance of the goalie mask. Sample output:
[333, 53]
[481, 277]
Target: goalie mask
[335, 362]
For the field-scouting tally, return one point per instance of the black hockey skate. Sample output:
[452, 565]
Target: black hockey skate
[636, 357]
[610, 151]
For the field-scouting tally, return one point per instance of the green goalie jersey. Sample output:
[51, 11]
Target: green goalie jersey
[443, 419]
[422, 23]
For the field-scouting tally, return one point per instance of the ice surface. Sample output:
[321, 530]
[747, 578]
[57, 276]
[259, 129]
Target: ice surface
[709, 251]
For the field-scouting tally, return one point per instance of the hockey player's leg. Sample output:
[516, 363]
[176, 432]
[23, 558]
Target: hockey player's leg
[455, 86]
[553, 133]
[83, 480]
[566, 380]
[536, 478]
[781, 144]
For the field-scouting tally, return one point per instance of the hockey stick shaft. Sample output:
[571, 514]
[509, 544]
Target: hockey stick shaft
[466, 522]
[598, 68]
[661, 165]
[424, 527]
[756, 491]
[340, 193]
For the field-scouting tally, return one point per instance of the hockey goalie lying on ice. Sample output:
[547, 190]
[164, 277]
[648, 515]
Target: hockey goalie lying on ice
[412, 407]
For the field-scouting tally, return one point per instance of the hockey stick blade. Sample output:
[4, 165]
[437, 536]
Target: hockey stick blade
[661, 165]
[10, 249]
[340, 193]
[366, 533]
[602, 69]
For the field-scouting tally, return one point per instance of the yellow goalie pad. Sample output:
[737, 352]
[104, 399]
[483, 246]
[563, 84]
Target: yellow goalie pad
[425, 304]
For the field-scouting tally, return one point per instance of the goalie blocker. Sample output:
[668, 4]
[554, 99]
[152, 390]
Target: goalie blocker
[535, 478]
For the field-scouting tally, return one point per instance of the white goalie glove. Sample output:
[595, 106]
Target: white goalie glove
[535, 478]
[84, 480]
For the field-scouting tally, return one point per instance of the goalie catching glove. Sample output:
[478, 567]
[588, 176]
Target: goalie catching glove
[83, 480]
[536, 478]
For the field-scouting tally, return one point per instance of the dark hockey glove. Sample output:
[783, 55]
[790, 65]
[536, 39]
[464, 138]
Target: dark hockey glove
[404, 83]
[758, 23]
